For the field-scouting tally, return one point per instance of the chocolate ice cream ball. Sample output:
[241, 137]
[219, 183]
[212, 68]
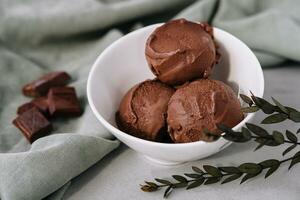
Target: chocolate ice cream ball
[201, 105]
[180, 51]
[142, 111]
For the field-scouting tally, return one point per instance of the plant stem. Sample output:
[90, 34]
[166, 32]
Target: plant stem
[285, 141]
[288, 159]
[223, 175]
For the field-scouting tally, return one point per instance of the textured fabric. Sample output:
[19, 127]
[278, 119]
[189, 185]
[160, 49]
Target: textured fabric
[270, 27]
[39, 36]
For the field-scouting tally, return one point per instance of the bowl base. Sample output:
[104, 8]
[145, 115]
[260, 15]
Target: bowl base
[163, 162]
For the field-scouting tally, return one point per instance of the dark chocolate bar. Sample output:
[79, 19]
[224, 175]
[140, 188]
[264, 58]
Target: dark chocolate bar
[33, 124]
[63, 101]
[41, 86]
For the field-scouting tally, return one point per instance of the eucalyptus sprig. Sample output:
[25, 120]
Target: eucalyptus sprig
[259, 135]
[211, 174]
[277, 112]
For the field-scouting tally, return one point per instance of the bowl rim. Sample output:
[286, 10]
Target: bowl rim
[113, 130]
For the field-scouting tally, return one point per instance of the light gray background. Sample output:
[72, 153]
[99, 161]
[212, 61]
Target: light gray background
[118, 176]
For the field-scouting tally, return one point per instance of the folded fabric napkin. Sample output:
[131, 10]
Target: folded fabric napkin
[41, 36]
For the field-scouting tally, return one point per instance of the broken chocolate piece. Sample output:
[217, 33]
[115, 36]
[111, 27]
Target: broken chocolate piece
[33, 124]
[63, 101]
[41, 86]
[23, 108]
[41, 103]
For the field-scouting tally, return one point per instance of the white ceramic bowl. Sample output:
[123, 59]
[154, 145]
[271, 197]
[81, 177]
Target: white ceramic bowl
[123, 64]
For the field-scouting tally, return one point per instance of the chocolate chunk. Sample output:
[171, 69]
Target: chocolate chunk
[41, 103]
[33, 124]
[41, 86]
[23, 108]
[63, 101]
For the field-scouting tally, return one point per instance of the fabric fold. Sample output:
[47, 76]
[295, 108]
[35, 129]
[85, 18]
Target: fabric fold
[56, 158]
[40, 36]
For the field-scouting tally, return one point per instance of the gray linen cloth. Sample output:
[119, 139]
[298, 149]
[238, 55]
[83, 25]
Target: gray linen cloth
[40, 36]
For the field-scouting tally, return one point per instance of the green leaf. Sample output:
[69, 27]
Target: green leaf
[162, 181]
[151, 184]
[197, 170]
[269, 163]
[280, 106]
[266, 141]
[278, 137]
[193, 175]
[168, 191]
[255, 99]
[212, 180]
[272, 170]
[257, 130]
[290, 148]
[275, 118]
[266, 107]
[230, 170]
[232, 178]
[248, 176]
[212, 170]
[246, 134]
[246, 99]
[234, 137]
[179, 178]
[250, 168]
[260, 146]
[295, 160]
[224, 128]
[251, 109]
[261, 141]
[295, 116]
[196, 183]
[291, 109]
[147, 188]
[271, 142]
[180, 185]
[291, 136]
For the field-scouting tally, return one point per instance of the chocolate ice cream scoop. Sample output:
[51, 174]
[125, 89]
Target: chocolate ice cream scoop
[142, 111]
[180, 51]
[201, 105]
